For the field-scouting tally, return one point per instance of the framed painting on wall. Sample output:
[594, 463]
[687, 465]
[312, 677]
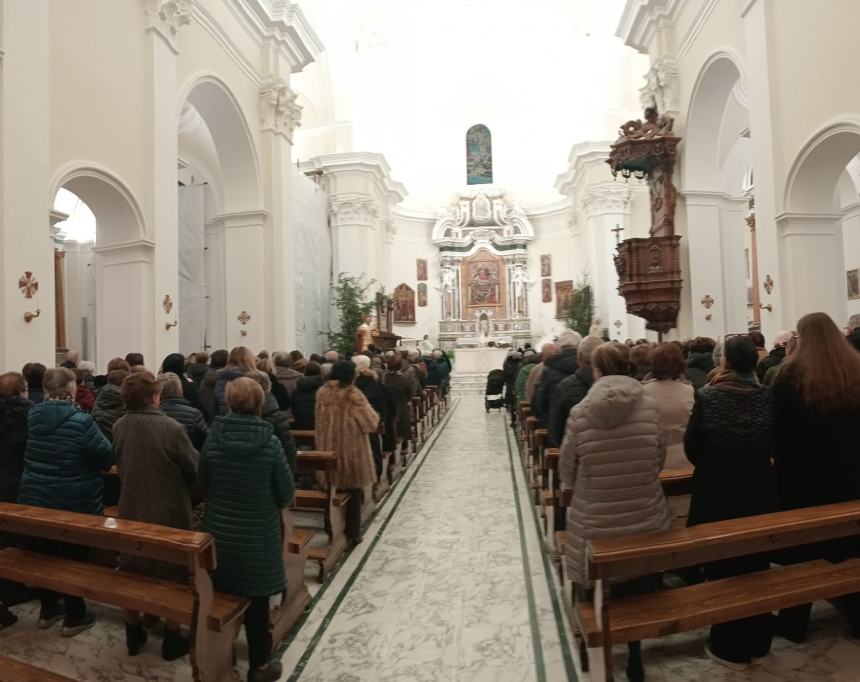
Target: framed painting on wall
[853, 280]
[404, 304]
[546, 265]
[421, 268]
[563, 296]
[546, 290]
[422, 295]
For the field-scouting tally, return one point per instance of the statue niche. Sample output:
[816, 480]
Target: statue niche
[649, 270]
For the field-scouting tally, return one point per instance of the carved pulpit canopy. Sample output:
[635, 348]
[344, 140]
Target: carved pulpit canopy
[649, 270]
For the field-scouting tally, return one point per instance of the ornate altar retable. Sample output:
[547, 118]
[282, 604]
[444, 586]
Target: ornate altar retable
[483, 249]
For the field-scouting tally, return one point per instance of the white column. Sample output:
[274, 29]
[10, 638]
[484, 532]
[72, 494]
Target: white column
[216, 302]
[606, 205]
[352, 216]
[758, 69]
[811, 250]
[279, 116]
[24, 181]
[164, 20]
[715, 234]
[124, 281]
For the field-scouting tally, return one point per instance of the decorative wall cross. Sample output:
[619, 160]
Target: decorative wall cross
[708, 301]
[167, 304]
[244, 317]
[28, 285]
[768, 284]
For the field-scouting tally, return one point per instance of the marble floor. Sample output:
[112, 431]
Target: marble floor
[451, 583]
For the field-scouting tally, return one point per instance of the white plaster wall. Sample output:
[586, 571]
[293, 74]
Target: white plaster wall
[79, 283]
[411, 243]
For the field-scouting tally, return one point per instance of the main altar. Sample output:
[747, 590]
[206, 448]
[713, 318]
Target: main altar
[483, 250]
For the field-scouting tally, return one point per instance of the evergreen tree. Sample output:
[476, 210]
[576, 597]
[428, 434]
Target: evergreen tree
[353, 305]
[581, 306]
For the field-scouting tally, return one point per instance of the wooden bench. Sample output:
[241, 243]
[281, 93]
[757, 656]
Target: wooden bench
[612, 621]
[12, 670]
[283, 617]
[214, 618]
[331, 503]
[416, 421]
[305, 438]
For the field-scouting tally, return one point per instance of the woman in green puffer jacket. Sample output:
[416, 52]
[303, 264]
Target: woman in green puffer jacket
[244, 476]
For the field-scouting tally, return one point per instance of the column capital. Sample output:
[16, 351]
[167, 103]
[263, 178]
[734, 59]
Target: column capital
[166, 17]
[661, 86]
[606, 197]
[279, 112]
[353, 209]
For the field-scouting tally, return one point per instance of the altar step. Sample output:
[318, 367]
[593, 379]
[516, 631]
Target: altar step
[468, 384]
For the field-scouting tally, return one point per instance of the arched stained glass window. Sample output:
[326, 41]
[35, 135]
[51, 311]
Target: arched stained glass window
[479, 155]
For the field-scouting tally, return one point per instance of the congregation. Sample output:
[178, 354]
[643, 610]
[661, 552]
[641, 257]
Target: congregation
[764, 430]
[205, 444]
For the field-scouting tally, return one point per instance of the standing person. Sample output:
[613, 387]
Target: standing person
[548, 351]
[175, 362]
[285, 373]
[776, 356]
[207, 385]
[153, 453]
[700, 360]
[180, 410]
[425, 345]
[368, 383]
[400, 390]
[15, 406]
[33, 373]
[760, 347]
[817, 400]
[63, 464]
[611, 457]
[554, 370]
[674, 396]
[73, 357]
[530, 360]
[85, 398]
[243, 474]
[197, 368]
[729, 440]
[343, 420]
[305, 397]
[572, 390]
[279, 420]
[108, 406]
[640, 355]
[239, 363]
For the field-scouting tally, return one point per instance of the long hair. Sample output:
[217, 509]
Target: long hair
[242, 358]
[825, 368]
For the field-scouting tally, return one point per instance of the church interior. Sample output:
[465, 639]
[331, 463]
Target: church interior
[470, 340]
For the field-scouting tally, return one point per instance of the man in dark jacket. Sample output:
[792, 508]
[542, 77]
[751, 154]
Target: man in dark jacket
[109, 406]
[555, 369]
[775, 357]
[175, 362]
[180, 410]
[304, 397]
[571, 391]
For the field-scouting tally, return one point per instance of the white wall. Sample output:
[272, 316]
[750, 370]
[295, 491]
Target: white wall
[412, 242]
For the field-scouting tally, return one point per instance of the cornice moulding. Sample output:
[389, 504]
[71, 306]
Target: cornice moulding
[641, 18]
[202, 16]
[582, 155]
[359, 162]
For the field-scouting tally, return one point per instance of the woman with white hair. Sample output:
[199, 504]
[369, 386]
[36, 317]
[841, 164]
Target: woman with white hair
[277, 418]
[175, 406]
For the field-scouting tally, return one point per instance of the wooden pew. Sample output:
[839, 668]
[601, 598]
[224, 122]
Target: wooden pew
[305, 438]
[677, 481]
[296, 597]
[416, 419]
[537, 478]
[214, 618]
[331, 503]
[612, 621]
[12, 670]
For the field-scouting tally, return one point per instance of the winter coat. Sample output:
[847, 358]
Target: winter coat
[729, 440]
[64, 460]
[206, 389]
[243, 473]
[182, 411]
[197, 373]
[400, 391]
[224, 377]
[612, 455]
[675, 401]
[36, 394]
[157, 467]
[698, 367]
[522, 379]
[175, 362]
[304, 402]
[288, 378]
[343, 420]
[85, 398]
[13, 443]
[373, 391]
[108, 408]
[570, 392]
[774, 359]
[280, 423]
[554, 370]
[532, 383]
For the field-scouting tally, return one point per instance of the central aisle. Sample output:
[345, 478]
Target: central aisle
[450, 582]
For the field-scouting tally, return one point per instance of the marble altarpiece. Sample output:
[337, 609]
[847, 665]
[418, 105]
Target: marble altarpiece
[484, 277]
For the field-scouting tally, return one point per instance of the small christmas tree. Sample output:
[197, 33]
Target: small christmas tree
[353, 305]
[581, 306]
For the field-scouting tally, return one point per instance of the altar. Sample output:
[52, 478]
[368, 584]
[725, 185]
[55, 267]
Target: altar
[478, 360]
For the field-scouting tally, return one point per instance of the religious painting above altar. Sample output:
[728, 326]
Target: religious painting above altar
[404, 304]
[482, 280]
[563, 297]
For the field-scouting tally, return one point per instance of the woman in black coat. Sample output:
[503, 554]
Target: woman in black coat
[817, 400]
[401, 389]
[305, 397]
[368, 383]
[14, 408]
[729, 441]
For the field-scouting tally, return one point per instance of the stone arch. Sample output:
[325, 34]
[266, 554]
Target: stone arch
[240, 183]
